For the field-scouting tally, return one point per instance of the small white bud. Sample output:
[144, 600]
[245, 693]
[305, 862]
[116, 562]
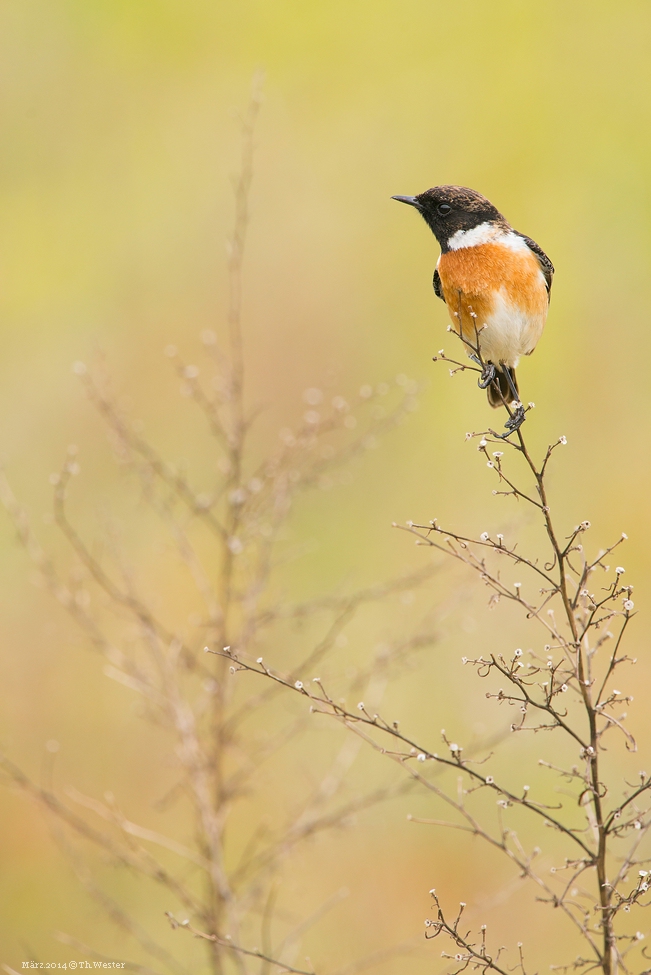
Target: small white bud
[259, 660]
[484, 536]
[562, 440]
[299, 685]
[421, 757]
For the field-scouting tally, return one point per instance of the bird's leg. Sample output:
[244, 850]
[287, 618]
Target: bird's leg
[517, 417]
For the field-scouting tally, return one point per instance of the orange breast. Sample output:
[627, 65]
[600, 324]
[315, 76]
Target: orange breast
[472, 276]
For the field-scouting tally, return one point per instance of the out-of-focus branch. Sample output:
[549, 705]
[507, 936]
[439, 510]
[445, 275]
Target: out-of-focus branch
[227, 943]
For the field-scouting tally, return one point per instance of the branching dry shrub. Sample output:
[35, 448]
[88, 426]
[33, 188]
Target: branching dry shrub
[219, 736]
[565, 686]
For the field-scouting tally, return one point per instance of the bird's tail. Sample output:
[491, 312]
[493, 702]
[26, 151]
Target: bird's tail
[499, 391]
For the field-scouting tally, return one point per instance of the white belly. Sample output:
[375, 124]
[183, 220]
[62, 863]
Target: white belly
[509, 333]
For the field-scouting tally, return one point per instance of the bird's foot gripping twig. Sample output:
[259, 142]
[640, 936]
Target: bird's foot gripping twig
[516, 419]
[488, 372]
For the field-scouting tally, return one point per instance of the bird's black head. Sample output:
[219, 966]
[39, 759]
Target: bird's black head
[449, 209]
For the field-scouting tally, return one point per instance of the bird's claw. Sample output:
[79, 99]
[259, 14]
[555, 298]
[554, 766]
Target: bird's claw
[487, 375]
[516, 420]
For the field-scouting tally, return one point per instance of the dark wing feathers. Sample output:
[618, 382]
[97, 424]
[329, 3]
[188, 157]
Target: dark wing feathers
[546, 265]
[438, 288]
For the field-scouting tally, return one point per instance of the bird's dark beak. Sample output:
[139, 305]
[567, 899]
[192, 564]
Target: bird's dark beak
[411, 200]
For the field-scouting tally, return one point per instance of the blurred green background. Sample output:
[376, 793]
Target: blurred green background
[118, 148]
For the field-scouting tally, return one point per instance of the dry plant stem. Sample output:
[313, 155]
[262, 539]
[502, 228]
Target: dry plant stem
[561, 556]
[227, 543]
[236, 949]
[575, 641]
[236, 424]
[569, 600]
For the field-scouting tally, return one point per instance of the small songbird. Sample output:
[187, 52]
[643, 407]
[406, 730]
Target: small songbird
[495, 281]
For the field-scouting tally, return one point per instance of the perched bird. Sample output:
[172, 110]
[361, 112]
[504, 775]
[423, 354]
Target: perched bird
[495, 281]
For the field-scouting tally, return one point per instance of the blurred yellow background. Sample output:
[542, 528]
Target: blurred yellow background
[119, 146]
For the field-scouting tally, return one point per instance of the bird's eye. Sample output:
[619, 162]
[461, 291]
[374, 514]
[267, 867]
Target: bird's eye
[444, 209]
